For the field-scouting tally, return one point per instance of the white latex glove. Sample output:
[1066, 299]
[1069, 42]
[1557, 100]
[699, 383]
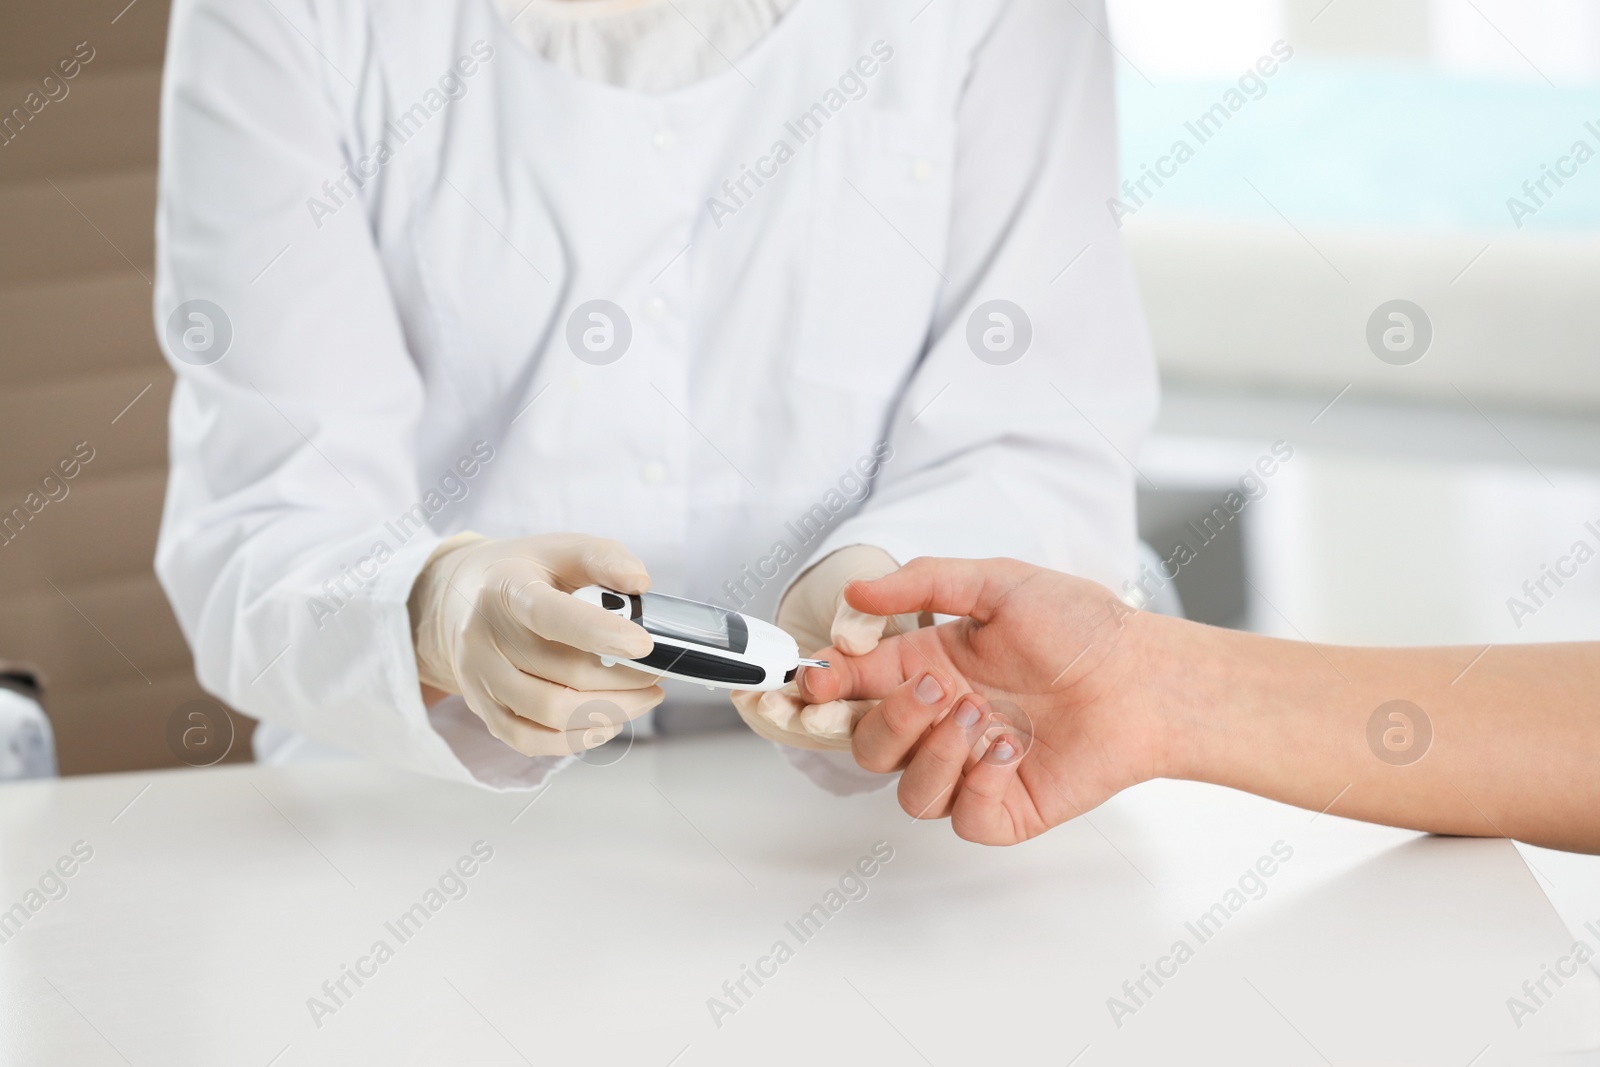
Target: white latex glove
[815, 614]
[493, 621]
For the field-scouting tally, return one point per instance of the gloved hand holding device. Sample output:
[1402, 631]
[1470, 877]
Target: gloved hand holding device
[494, 621]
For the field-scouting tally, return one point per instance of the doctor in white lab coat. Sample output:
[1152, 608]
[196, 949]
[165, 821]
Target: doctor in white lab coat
[438, 286]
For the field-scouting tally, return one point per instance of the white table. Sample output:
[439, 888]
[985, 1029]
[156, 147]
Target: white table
[217, 902]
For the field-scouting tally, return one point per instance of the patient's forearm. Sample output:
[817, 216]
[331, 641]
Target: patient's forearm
[1515, 736]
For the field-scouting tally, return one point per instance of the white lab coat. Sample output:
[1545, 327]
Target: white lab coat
[379, 337]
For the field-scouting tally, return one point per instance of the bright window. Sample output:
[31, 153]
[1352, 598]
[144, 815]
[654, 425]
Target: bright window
[1432, 115]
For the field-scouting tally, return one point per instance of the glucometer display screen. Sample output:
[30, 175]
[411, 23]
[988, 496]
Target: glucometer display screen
[700, 624]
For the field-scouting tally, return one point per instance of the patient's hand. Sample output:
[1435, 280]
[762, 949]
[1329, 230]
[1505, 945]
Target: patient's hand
[815, 615]
[1024, 714]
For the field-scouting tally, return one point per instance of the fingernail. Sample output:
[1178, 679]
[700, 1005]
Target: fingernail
[967, 715]
[1003, 752]
[929, 691]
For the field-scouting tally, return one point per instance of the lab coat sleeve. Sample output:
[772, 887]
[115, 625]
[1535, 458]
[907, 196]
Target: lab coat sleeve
[291, 533]
[1031, 459]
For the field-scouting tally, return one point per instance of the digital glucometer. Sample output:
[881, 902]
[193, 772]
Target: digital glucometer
[702, 643]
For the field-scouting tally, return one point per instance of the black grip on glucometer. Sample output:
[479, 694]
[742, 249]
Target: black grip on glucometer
[702, 665]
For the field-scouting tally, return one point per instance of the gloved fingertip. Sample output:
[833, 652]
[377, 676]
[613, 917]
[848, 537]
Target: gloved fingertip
[778, 709]
[830, 721]
[856, 644]
[627, 580]
[857, 635]
[628, 641]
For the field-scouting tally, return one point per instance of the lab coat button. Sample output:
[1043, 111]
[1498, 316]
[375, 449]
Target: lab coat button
[655, 473]
[665, 140]
[922, 170]
[656, 308]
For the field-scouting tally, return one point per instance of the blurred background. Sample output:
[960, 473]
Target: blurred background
[1376, 164]
[1431, 476]
[79, 364]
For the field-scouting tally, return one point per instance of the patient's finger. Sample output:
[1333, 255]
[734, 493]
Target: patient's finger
[869, 677]
[887, 733]
[979, 813]
[932, 779]
[972, 587]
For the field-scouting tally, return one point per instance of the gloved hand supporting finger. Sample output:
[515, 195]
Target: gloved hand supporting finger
[776, 715]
